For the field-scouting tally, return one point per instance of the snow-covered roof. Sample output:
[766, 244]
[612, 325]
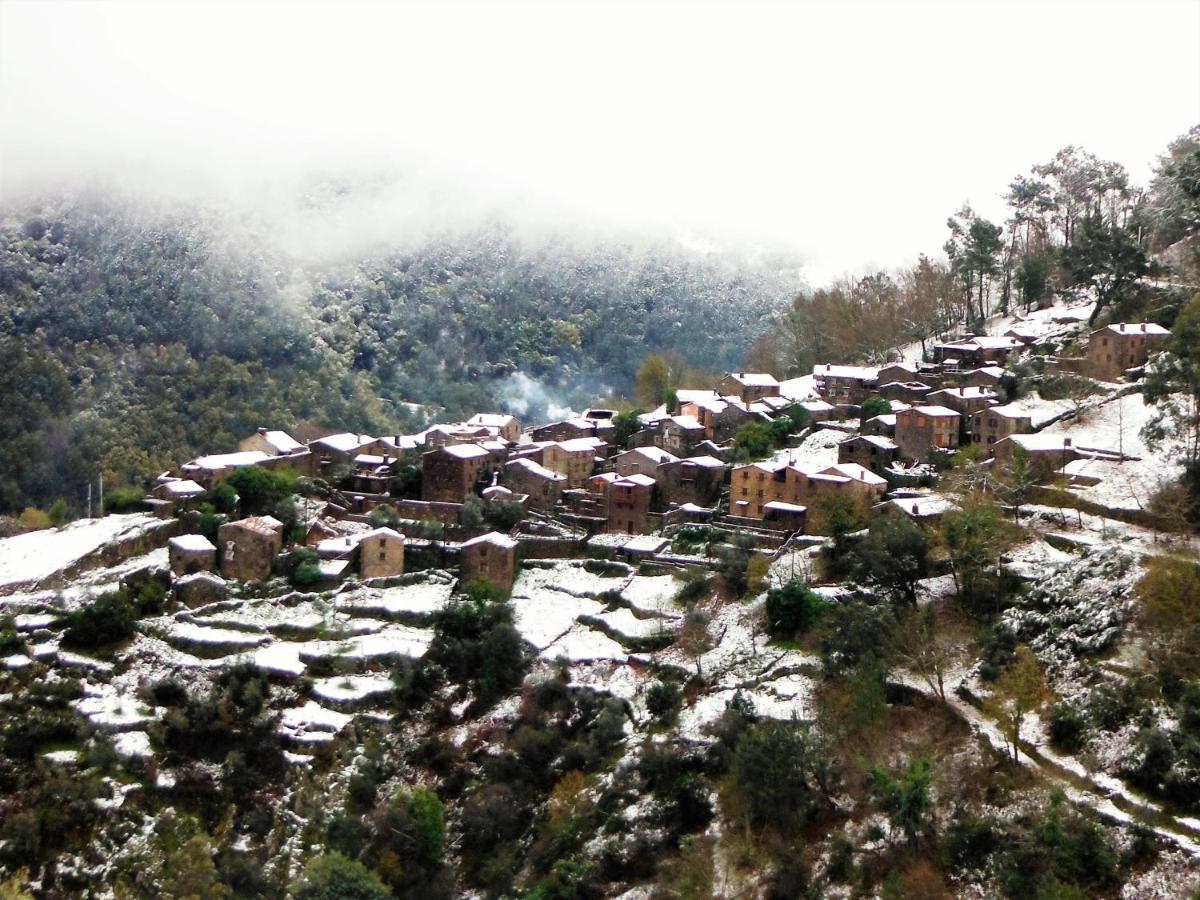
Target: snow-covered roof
[638, 479]
[654, 454]
[926, 505]
[191, 543]
[885, 419]
[687, 395]
[345, 442]
[710, 462]
[975, 392]
[1039, 441]
[855, 471]
[282, 441]
[785, 507]
[535, 469]
[932, 411]
[581, 445]
[182, 487]
[260, 524]
[816, 405]
[465, 451]
[1008, 411]
[689, 423]
[754, 379]
[881, 442]
[496, 490]
[405, 441]
[993, 371]
[368, 459]
[829, 370]
[383, 532]
[491, 420]
[495, 538]
[1129, 328]
[219, 461]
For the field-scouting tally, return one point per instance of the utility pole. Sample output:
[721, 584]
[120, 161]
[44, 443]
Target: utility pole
[89, 515]
[102, 495]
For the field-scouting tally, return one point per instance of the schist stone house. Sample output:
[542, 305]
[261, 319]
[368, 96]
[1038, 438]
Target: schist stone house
[1113, 349]
[191, 553]
[504, 425]
[844, 385]
[209, 471]
[923, 429]
[272, 443]
[1047, 453]
[642, 461]
[977, 351]
[629, 504]
[749, 386]
[492, 556]
[449, 474]
[966, 401]
[697, 480]
[754, 486]
[996, 423]
[869, 451]
[248, 547]
[575, 459]
[567, 430]
[679, 435]
[381, 554]
[543, 486]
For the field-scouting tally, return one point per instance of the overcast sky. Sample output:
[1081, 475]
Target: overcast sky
[846, 131]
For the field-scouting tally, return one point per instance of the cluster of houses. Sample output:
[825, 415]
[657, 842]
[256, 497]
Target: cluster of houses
[571, 484]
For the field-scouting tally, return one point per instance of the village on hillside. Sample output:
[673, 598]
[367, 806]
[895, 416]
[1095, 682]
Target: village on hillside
[489, 493]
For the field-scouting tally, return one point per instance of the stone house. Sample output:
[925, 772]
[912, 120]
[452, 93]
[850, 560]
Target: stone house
[1113, 349]
[754, 485]
[785, 516]
[923, 429]
[381, 554]
[543, 486]
[178, 490]
[977, 351]
[191, 553]
[844, 385]
[248, 547]
[642, 461]
[987, 376]
[808, 486]
[209, 471]
[458, 433]
[898, 371]
[272, 443]
[749, 386]
[996, 423]
[884, 425]
[966, 401]
[697, 480]
[1047, 453]
[905, 391]
[869, 451]
[679, 435]
[340, 449]
[629, 504]
[575, 459]
[492, 556]
[449, 474]
[566, 430]
[504, 425]
[704, 410]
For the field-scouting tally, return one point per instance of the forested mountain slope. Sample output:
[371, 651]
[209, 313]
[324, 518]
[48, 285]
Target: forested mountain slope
[135, 335]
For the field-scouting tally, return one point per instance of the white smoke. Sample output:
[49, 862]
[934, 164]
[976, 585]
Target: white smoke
[531, 400]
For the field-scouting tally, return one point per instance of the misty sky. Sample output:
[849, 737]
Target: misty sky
[845, 131]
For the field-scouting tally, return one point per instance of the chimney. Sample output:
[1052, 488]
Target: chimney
[1066, 442]
[828, 366]
[915, 509]
[1143, 328]
[962, 392]
[262, 431]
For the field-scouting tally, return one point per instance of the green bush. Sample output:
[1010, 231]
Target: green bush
[1068, 727]
[664, 700]
[106, 620]
[260, 490]
[793, 609]
[334, 877]
[124, 500]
